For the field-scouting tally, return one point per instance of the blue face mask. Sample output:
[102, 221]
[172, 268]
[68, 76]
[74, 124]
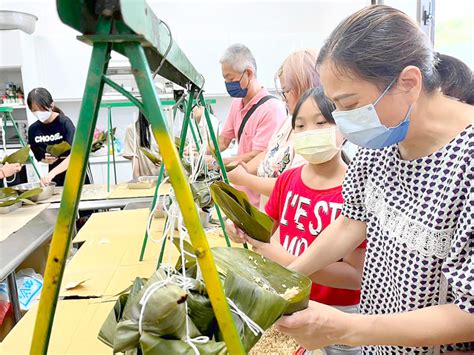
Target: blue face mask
[362, 126]
[234, 89]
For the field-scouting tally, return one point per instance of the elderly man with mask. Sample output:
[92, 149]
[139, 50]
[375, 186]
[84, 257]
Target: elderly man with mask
[254, 114]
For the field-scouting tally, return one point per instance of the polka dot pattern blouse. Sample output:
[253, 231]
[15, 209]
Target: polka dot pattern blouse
[420, 242]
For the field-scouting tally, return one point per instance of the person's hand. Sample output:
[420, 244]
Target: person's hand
[10, 169]
[49, 159]
[46, 180]
[317, 326]
[235, 234]
[211, 162]
[264, 249]
[237, 175]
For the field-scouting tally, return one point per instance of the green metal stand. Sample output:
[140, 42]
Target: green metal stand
[8, 116]
[130, 28]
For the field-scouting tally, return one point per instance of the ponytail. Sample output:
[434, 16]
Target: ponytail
[144, 130]
[456, 78]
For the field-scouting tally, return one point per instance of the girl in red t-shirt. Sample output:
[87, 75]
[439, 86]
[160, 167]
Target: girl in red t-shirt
[307, 199]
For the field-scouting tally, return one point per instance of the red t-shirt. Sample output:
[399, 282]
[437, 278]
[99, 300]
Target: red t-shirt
[303, 213]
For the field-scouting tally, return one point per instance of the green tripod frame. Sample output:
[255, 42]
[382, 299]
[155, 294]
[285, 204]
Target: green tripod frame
[131, 28]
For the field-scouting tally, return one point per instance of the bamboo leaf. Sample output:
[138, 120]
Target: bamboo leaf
[238, 209]
[18, 157]
[57, 150]
[153, 158]
[290, 285]
[6, 192]
[30, 193]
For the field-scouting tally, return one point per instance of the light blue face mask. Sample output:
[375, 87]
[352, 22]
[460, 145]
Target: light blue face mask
[362, 126]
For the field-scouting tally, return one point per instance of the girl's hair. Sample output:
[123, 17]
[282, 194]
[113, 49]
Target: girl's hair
[325, 106]
[458, 80]
[377, 42]
[42, 98]
[144, 130]
[299, 71]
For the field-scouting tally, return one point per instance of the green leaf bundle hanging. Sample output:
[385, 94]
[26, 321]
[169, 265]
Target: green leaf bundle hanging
[238, 209]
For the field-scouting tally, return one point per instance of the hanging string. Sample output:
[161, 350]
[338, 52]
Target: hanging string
[253, 326]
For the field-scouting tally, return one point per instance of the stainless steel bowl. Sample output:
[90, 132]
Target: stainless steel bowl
[48, 191]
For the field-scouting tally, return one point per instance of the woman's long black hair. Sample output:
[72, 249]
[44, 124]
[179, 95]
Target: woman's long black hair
[144, 131]
[42, 98]
[325, 106]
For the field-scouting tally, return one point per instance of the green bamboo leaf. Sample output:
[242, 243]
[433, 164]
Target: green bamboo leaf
[262, 306]
[153, 158]
[18, 157]
[6, 192]
[152, 344]
[290, 285]
[30, 193]
[56, 150]
[9, 202]
[187, 247]
[238, 209]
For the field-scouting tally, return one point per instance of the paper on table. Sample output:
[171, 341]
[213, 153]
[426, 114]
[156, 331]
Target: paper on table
[75, 329]
[12, 222]
[89, 193]
[122, 191]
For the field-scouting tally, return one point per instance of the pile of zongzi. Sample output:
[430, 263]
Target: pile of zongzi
[161, 315]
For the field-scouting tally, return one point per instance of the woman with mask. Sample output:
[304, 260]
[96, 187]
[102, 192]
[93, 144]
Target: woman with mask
[297, 74]
[137, 136]
[52, 127]
[408, 192]
[306, 200]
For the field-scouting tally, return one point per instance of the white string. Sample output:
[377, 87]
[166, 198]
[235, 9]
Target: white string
[254, 327]
[13, 178]
[159, 196]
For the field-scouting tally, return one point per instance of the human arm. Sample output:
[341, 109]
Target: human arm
[336, 241]
[320, 325]
[262, 185]
[60, 168]
[345, 274]
[8, 170]
[242, 157]
[252, 165]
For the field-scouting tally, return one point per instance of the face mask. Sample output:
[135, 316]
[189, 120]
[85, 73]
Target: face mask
[234, 89]
[316, 146]
[42, 116]
[362, 126]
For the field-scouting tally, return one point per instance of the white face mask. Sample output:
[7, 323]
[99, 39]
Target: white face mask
[42, 116]
[316, 146]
